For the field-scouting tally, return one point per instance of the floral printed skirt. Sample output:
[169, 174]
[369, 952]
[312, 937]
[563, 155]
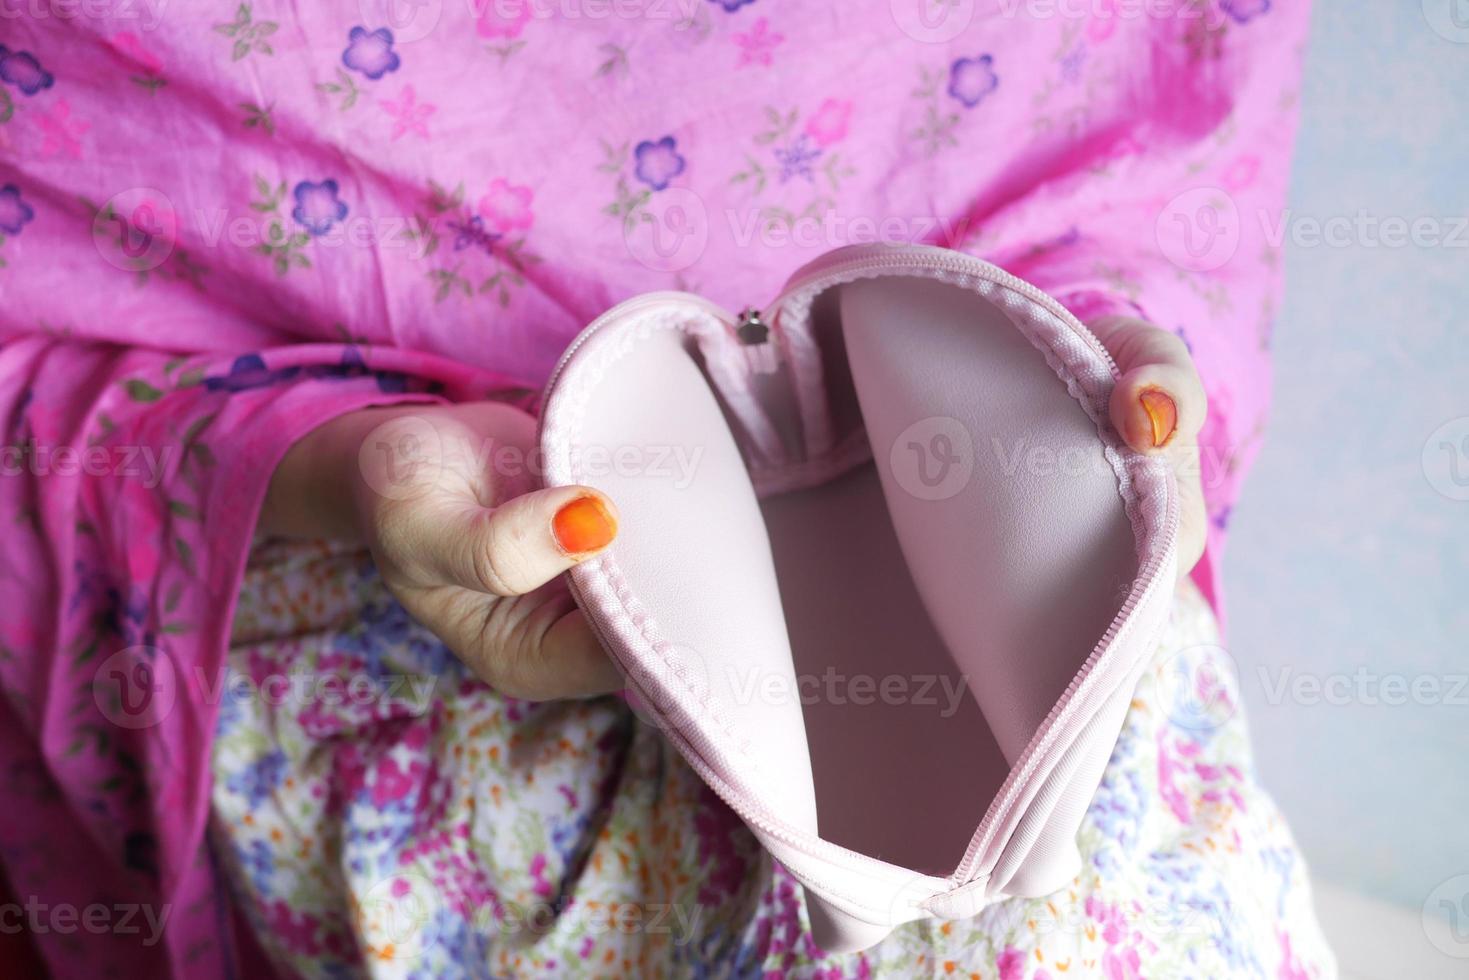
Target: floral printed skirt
[380, 812]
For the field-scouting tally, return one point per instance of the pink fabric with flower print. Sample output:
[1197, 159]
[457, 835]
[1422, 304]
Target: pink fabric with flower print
[221, 224]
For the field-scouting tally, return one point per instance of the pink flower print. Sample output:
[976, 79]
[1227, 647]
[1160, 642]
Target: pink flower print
[60, 133]
[127, 44]
[1114, 925]
[538, 875]
[297, 931]
[1104, 23]
[1290, 964]
[1241, 173]
[390, 782]
[1122, 964]
[828, 124]
[1011, 964]
[408, 114]
[1172, 795]
[756, 46]
[506, 207]
[502, 18]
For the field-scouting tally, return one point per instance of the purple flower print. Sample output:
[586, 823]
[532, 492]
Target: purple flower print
[1245, 11]
[971, 79]
[795, 160]
[15, 213]
[471, 231]
[256, 781]
[371, 52]
[658, 163]
[21, 69]
[249, 371]
[1072, 64]
[493, 22]
[317, 207]
[730, 6]
[258, 861]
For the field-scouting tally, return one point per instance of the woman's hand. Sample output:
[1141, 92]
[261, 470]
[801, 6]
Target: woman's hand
[1159, 406]
[443, 497]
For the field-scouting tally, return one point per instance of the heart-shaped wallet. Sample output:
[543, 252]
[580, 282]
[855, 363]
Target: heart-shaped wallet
[886, 575]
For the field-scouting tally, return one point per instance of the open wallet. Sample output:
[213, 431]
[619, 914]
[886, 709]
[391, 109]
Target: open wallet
[894, 607]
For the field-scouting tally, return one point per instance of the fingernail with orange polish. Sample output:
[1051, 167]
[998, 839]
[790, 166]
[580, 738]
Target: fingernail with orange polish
[584, 525]
[1162, 414]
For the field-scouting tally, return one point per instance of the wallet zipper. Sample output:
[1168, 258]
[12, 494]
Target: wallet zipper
[755, 327]
[621, 310]
[855, 259]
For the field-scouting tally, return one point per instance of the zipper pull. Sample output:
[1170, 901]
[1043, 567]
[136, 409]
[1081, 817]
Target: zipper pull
[751, 329]
[754, 335]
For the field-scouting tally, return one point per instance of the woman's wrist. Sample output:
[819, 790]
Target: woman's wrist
[317, 488]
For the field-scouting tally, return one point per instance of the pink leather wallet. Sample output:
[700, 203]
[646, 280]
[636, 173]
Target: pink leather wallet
[886, 575]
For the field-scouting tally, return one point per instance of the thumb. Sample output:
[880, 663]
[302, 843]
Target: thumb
[523, 543]
[1159, 400]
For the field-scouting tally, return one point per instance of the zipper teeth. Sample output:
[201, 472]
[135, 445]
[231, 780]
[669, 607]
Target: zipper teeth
[837, 266]
[918, 258]
[1150, 575]
[617, 312]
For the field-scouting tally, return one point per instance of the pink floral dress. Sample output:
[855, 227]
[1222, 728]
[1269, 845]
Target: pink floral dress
[225, 223]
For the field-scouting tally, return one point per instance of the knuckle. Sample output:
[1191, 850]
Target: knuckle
[1170, 346]
[502, 563]
[516, 645]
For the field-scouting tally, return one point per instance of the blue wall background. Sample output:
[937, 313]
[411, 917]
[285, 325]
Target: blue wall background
[1348, 552]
